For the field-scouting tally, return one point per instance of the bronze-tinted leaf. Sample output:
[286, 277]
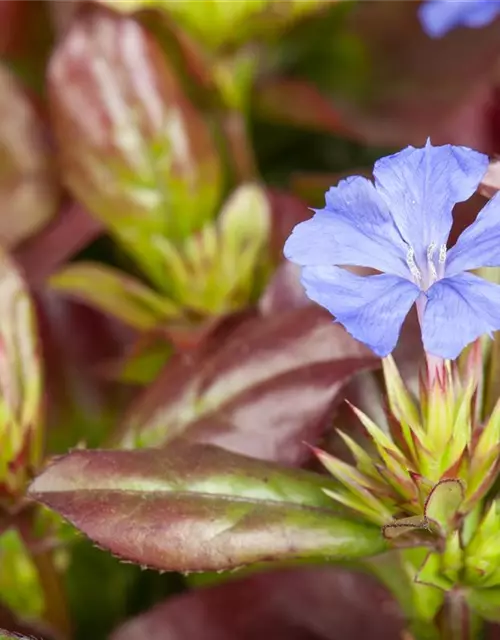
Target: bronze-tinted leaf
[267, 387]
[29, 193]
[71, 231]
[133, 148]
[200, 508]
[295, 604]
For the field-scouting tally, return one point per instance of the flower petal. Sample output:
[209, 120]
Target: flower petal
[371, 308]
[439, 16]
[421, 187]
[459, 310]
[479, 244]
[355, 228]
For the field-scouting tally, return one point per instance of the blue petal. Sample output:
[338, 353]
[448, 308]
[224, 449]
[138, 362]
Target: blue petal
[371, 308]
[459, 310]
[355, 228]
[479, 244]
[421, 187]
[439, 16]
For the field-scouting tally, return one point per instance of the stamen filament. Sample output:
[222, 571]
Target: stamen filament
[412, 265]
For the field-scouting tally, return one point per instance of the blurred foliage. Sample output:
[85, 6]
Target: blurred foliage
[154, 156]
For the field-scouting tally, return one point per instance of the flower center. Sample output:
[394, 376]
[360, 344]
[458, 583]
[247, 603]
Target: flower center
[432, 268]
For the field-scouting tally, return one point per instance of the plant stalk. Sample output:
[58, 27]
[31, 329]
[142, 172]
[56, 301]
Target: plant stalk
[56, 610]
[455, 620]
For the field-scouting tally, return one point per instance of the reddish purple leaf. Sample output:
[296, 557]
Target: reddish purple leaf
[29, 193]
[284, 292]
[200, 508]
[72, 230]
[25, 39]
[299, 103]
[493, 631]
[406, 85]
[133, 148]
[294, 604]
[62, 14]
[419, 86]
[286, 211]
[268, 387]
[76, 341]
[13, 627]
[491, 181]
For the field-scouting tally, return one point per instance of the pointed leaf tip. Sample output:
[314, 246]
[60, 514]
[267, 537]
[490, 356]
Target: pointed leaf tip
[199, 508]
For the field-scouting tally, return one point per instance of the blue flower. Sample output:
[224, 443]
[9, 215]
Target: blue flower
[439, 16]
[399, 226]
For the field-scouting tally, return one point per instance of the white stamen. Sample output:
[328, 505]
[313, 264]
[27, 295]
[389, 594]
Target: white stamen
[410, 261]
[430, 261]
[430, 251]
[442, 254]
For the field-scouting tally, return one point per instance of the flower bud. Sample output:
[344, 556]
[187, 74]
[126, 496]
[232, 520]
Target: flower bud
[20, 385]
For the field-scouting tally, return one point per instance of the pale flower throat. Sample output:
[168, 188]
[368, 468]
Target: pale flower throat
[433, 270]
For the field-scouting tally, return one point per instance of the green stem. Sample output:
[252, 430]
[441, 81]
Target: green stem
[239, 146]
[56, 611]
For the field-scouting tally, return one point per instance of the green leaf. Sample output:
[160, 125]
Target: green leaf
[216, 270]
[443, 503]
[218, 23]
[115, 293]
[453, 557]
[20, 587]
[200, 508]
[485, 602]
[419, 602]
[430, 573]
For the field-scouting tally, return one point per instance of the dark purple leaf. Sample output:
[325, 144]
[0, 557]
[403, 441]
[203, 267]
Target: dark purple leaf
[200, 508]
[294, 604]
[12, 627]
[76, 341]
[268, 387]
